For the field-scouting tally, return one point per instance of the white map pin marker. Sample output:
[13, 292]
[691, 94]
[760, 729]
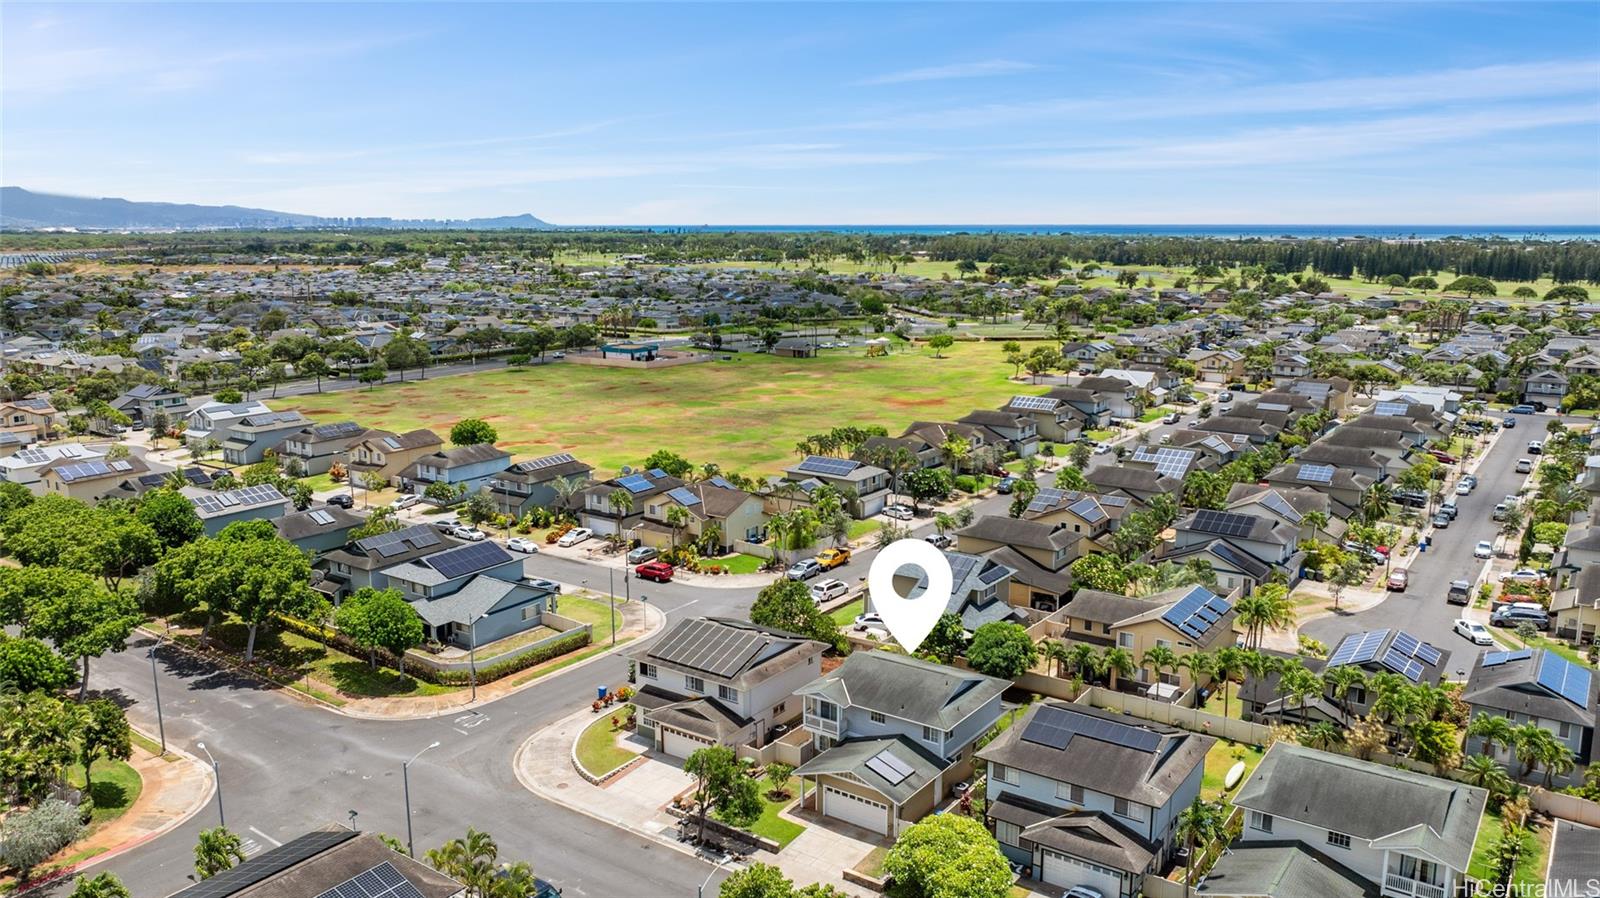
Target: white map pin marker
[910, 620]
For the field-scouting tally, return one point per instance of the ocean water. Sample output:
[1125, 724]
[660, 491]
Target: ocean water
[1267, 231]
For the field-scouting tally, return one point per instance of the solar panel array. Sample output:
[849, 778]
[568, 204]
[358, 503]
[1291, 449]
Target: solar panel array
[382, 881]
[723, 482]
[87, 469]
[634, 483]
[1412, 647]
[1046, 499]
[1226, 523]
[1196, 613]
[549, 461]
[1316, 473]
[1088, 509]
[337, 429]
[1272, 406]
[1056, 727]
[1033, 403]
[399, 542]
[715, 648]
[247, 497]
[1495, 659]
[35, 456]
[657, 473]
[891, 768]
[832, 467]
[467, 559]
[683, 496]
[1280, 506]
[1391, 408]
[1168, 462]
[267, 865]
[1565, 679]
[321, 517]
[392, 442]
[1402, 664]
[1358, 648]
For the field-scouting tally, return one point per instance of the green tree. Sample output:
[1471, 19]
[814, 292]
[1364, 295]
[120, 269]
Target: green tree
[716, 773]
[103, 732]
[171, 517]
[1198, 825]
[218, 849]
[1002, 649]
[787, 605]
[947, 856]
[380, 619]
[1099, 571]
[757, 881]
[479, 508]
[671, 462]
[38, 734]
[939, 343]
[1472, 286]
[104, 885]
[473, 432]
[947, 639]
[27, 664]
[381, 520]
[79, 617]
[28, 837]
[470, 860]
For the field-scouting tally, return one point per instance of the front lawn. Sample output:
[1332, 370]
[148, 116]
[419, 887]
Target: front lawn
[116, 787]
[596, 612]
[859, 529]
[845, 615]
[741, 564]
[598, 751]
[502, 646]
[1530, 866]
[1219, 761]
[770, 825]
[1214, 704]
[305, 657]
[1098, 436]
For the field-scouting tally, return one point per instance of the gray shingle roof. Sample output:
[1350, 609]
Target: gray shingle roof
[908, 688]
[1284, 868]
[852, 756]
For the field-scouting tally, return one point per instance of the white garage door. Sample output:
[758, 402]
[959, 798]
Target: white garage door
[1060, 870]
[863, 812]
[679, 744]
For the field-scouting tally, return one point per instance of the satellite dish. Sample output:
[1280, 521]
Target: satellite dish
[626, 470]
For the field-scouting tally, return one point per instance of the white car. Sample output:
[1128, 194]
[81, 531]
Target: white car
[469, 533]
[823, 590]
[1484, 549]
[1478, 633]
[1522, 575]
[1083, 892]
[405, 502]
[898, 512]
[522, 544]
[1102, 448]
[872, 620]
[574, 536]
[1463, 489]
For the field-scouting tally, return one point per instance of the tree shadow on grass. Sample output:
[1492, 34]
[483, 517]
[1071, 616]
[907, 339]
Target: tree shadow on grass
[358, 678]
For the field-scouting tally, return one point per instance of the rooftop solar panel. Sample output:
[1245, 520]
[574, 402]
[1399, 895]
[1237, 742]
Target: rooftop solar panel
[1197, 612]
[548, 461]
[1225, 523]
[657, 473]
[826, 466]
[268, 864]
[722, 482]
[392, 442]
[683, 496]
[1088, 509]
[321, 517]
[1390, 408]
[1274, 502]
[1316, 473]
[382, 881]
[715, 648]
[1167, 461]
[468, 559]
[1403, 664]
[634, 483]
[1357, 648]
[1046, 499]
[891, 768]
[1033, 403]
[1564, 679]
[336, 429]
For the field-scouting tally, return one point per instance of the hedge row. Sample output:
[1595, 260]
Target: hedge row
[572, 642]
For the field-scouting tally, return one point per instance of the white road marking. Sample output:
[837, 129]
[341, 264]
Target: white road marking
[263, 835]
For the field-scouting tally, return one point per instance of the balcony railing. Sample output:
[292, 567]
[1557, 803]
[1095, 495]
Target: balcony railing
[822, 725]
[1405, 887]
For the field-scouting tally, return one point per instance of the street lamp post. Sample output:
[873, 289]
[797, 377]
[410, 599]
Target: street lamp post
[472, 652]
[405, 779]
[161, 724]
[700, 891]
[216, 771]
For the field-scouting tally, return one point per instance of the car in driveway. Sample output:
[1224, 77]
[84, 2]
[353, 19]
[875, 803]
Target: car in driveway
[469, 533]
[870, 620]
[1484, 549]
[405, 501]
[642, 554]
[445, 525]
[824, 590]
[574, 536]
[1521, 575]
[1443, 457]
[1518, 613]
[1171, 419]
[1471, 629]
[1083, 892]
[1411, 498]
[1398, 579]
[939, 540]
[1366, 552]
[1102, 448]
[522, 544]
[832, 558]
[342, 500]
[659, 571]
[804, 569]
[899, 512]
[1523, 409]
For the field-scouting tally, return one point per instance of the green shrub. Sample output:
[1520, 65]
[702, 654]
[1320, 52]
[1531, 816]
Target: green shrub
[967, 483]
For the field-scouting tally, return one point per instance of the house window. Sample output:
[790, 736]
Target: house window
[530, 612]
[1070, 792]
[694, 684]
[647, 670]
[1564, 730]
[1260, 821]
[1164, 643]
[778, 708]
[727, 693]
[1338, 839]
[1125, 808]
[1007, 775]
[876, 716]
[826, 711]
[1007, 833]
[929, 734]
[1125, 640]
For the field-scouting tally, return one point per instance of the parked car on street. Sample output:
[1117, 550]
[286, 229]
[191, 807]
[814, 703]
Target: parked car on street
[939, 540]
[1441, 521]
[445, 525]
[643, 554]
[1170, 419]
[1463, 488]
[405, 501]
[1470, 480]
[1521, 409]
[522, 544]
[469, 533]
[1005, 485]
[1224, 397]
[823, 590]
[542, 583]
[659, 571]
[574, 536]
[1460, 592]
[342, 500]
[1102, 448]
[1500, 512]
[1524, 466]
[1399, 578]
[1484, 549]
[1518, 613]
[832, 558]
[1535, 447]
[899, 512]
[1471, 629]
[804, 569]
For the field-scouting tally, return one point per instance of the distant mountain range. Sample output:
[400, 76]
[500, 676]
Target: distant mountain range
[23, 210]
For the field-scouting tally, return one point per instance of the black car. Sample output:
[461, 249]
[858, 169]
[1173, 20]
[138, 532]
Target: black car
[1005, 485]
[343, 500]
[1411, 498]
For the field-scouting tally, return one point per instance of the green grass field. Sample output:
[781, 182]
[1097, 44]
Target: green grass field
[1219, 760]
[597, 744]
[116, 786]
[1530, 866]
[770, 825]
[746, 415]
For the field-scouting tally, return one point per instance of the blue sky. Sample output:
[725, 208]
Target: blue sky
[768, 113]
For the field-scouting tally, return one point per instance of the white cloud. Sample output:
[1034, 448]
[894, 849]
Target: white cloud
[986, 69]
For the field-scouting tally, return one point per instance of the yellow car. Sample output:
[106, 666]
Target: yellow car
[832, 558]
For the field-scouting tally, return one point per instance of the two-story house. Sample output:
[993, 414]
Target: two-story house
[1089, 797]
[1217, 366]
[1053, 419]
[30, 419]
[1333, 826]
[387, 454]
[1546, 387]
[1186, 620]
[316, 447]
[868, 483]
[718, 681]
[142, 401]
[1124, 400]
[210, 421]
[1536, 686]
[717, 515]
[1093, 407]
[532, 484]
[979, 590]
[23, 466]
[1018, 434]
[1237, 546]
[1370, 651]
[1289, 366]
[319, 529]
[247, 440]
[89, 481]
[250, 503]
[894, 735]
[1575, 611]
[467, 468]
[600, 513]
[1091, 515]
[1037, 554]
[362, 563]
[1343, 488]
[471, 594]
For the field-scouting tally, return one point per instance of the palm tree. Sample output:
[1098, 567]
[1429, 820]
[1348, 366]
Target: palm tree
[470, 860]
[1340, 681]
[1557, 760]
[1116, 663]
[1316, 520]
[1322, 735]
[678, 520]
[1160, 658]
[105, 885]
[621, 502]
[514, 881]
[218, 850]
[1297, 682]
[1054, 650]
[565, 487]
[711, 538]
[1198, 664]
[954, 450]
[1082, 658]
[1532, 744]
[1375, 502]
[1267, 607]
[1202, 822]
[1226, 665]
[1486, 773]
[1395, 704]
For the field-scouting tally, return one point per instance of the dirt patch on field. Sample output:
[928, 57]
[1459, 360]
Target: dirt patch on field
[913, 403]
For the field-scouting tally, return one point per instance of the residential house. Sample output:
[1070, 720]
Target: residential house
[471, 594]
[1124, 401]
[142, 401]
[335, 861]
[1545, 387]
[388, 454]
[1053, 419]
[599, 513]
[718, 681]
[1186, 620]
[319, 529]
[1343, 488]
[532, 484]
[1169, 461]
[1540, 687]
[210, 421]
[23, 466]
[248, 439]
[1217, 366]
[795, 348]
[718, 516]
[362, 563]
[1090, 797]
[1312, 827]
[1094, 408]
[1372, 651]
[29, 419]
[979, 590]
[315, 447]
[1293, 507]
[1575, 611]
[1138, 484]
[1356, 459]
[1092, 515]
[894, 735]
[88, 481]
[250, 503]
[868, 483]
[1036, 553]
[1019, 434]
[466, 468]
[1289, 366]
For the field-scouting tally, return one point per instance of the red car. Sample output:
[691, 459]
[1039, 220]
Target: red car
[1444, 457]
[659, 571]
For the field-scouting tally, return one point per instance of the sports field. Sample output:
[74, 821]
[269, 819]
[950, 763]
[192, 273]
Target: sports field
[746, 415]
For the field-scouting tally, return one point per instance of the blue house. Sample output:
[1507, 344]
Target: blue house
[471, 594]
[469, 466]
[319, 529]
[251, 503]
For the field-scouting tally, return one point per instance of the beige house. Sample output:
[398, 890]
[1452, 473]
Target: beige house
[713, 506]
[1217, 366]
[1575, 612]
[1187, 620]
[30, 419]
[387, 454]
[87, 481]
[1037, 553]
